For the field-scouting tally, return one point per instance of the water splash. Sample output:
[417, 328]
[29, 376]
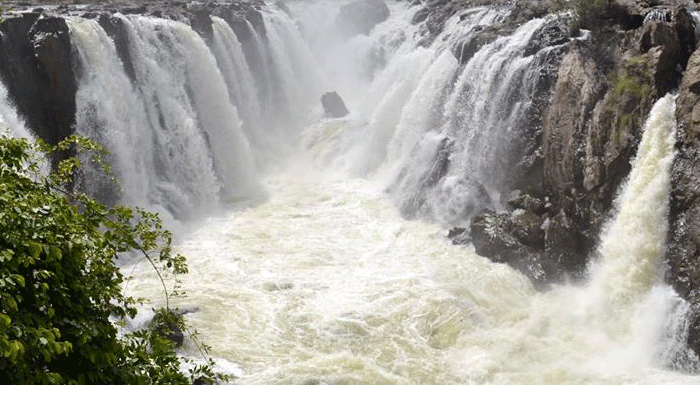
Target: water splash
[10, 121]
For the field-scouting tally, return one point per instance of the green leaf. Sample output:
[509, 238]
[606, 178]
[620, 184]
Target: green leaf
[34, 250]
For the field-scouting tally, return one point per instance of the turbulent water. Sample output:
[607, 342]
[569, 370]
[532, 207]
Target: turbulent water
[307, 261]
[326, 283]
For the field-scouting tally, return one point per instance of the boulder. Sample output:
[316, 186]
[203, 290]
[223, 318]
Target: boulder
[361, 16]
[333, 105]
[505, 238]
[527, 202]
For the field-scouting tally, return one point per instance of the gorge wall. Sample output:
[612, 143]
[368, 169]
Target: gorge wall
[570, 148]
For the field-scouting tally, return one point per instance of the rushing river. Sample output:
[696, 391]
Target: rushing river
[327, 283]
[316, 246]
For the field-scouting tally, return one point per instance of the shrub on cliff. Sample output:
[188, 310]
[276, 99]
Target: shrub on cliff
[60, 287]
[588, 14]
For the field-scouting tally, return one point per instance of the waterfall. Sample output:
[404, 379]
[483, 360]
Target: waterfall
[110, 112]
[626, 294]
[440, 133]
[294, 68]
[176, 137]
[10, 121]
[343, 274]
[631, 251]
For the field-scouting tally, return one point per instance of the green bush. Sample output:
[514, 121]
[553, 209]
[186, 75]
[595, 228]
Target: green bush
[587, 14]
[60, 286]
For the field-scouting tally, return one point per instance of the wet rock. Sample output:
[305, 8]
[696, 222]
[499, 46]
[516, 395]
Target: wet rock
[553, 33]
[465, 50]
[519, 200]
[459, 236]
[683, 252]
[168, 325]
[333, 105]
[566, 246]
[361, 16]
[117, 30]
[506, 238]
[420, 15]
[37, 69]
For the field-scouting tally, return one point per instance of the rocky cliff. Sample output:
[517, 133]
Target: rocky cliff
[598, 98]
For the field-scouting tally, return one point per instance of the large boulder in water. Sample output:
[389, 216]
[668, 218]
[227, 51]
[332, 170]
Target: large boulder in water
[362, 16]
[333, 105]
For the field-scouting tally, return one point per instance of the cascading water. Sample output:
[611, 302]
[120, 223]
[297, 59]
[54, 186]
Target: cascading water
[10, 122]
[176, 137]
[325, 282]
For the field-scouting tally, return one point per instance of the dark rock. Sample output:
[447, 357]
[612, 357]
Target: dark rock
[459, 236]
[200, 21]
[566, 246]
[524, 201]
[499, 238]
[683, 252]
[361, 16]
[420, 15]
[117, 30]
[168, 325]
[333, 105]
[553, 33]
[465, 50]
[37, 69]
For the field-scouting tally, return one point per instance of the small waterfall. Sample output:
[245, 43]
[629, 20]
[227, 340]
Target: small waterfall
[625, 291]
[485, 118]
[10, 122]
[632, 248]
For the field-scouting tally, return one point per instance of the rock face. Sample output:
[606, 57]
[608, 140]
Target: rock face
[333, 105]
[361, 16]
[597, 104]
[37, 71]
[684, 228]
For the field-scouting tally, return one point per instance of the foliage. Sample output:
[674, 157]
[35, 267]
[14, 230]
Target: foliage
[60, 286]
[588, 14]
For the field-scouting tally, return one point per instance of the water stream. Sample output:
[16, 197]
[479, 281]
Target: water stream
[317, 247]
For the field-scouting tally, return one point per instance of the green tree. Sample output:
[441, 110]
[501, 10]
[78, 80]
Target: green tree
[60, 286]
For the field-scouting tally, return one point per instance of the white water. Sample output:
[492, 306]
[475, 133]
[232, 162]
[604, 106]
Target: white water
[10, 122]
[325, 282]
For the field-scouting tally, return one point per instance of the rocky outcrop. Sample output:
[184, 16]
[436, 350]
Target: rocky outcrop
[684, 228]
[597, 104]
[37, 70]
[361, 16]
[333, 105]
